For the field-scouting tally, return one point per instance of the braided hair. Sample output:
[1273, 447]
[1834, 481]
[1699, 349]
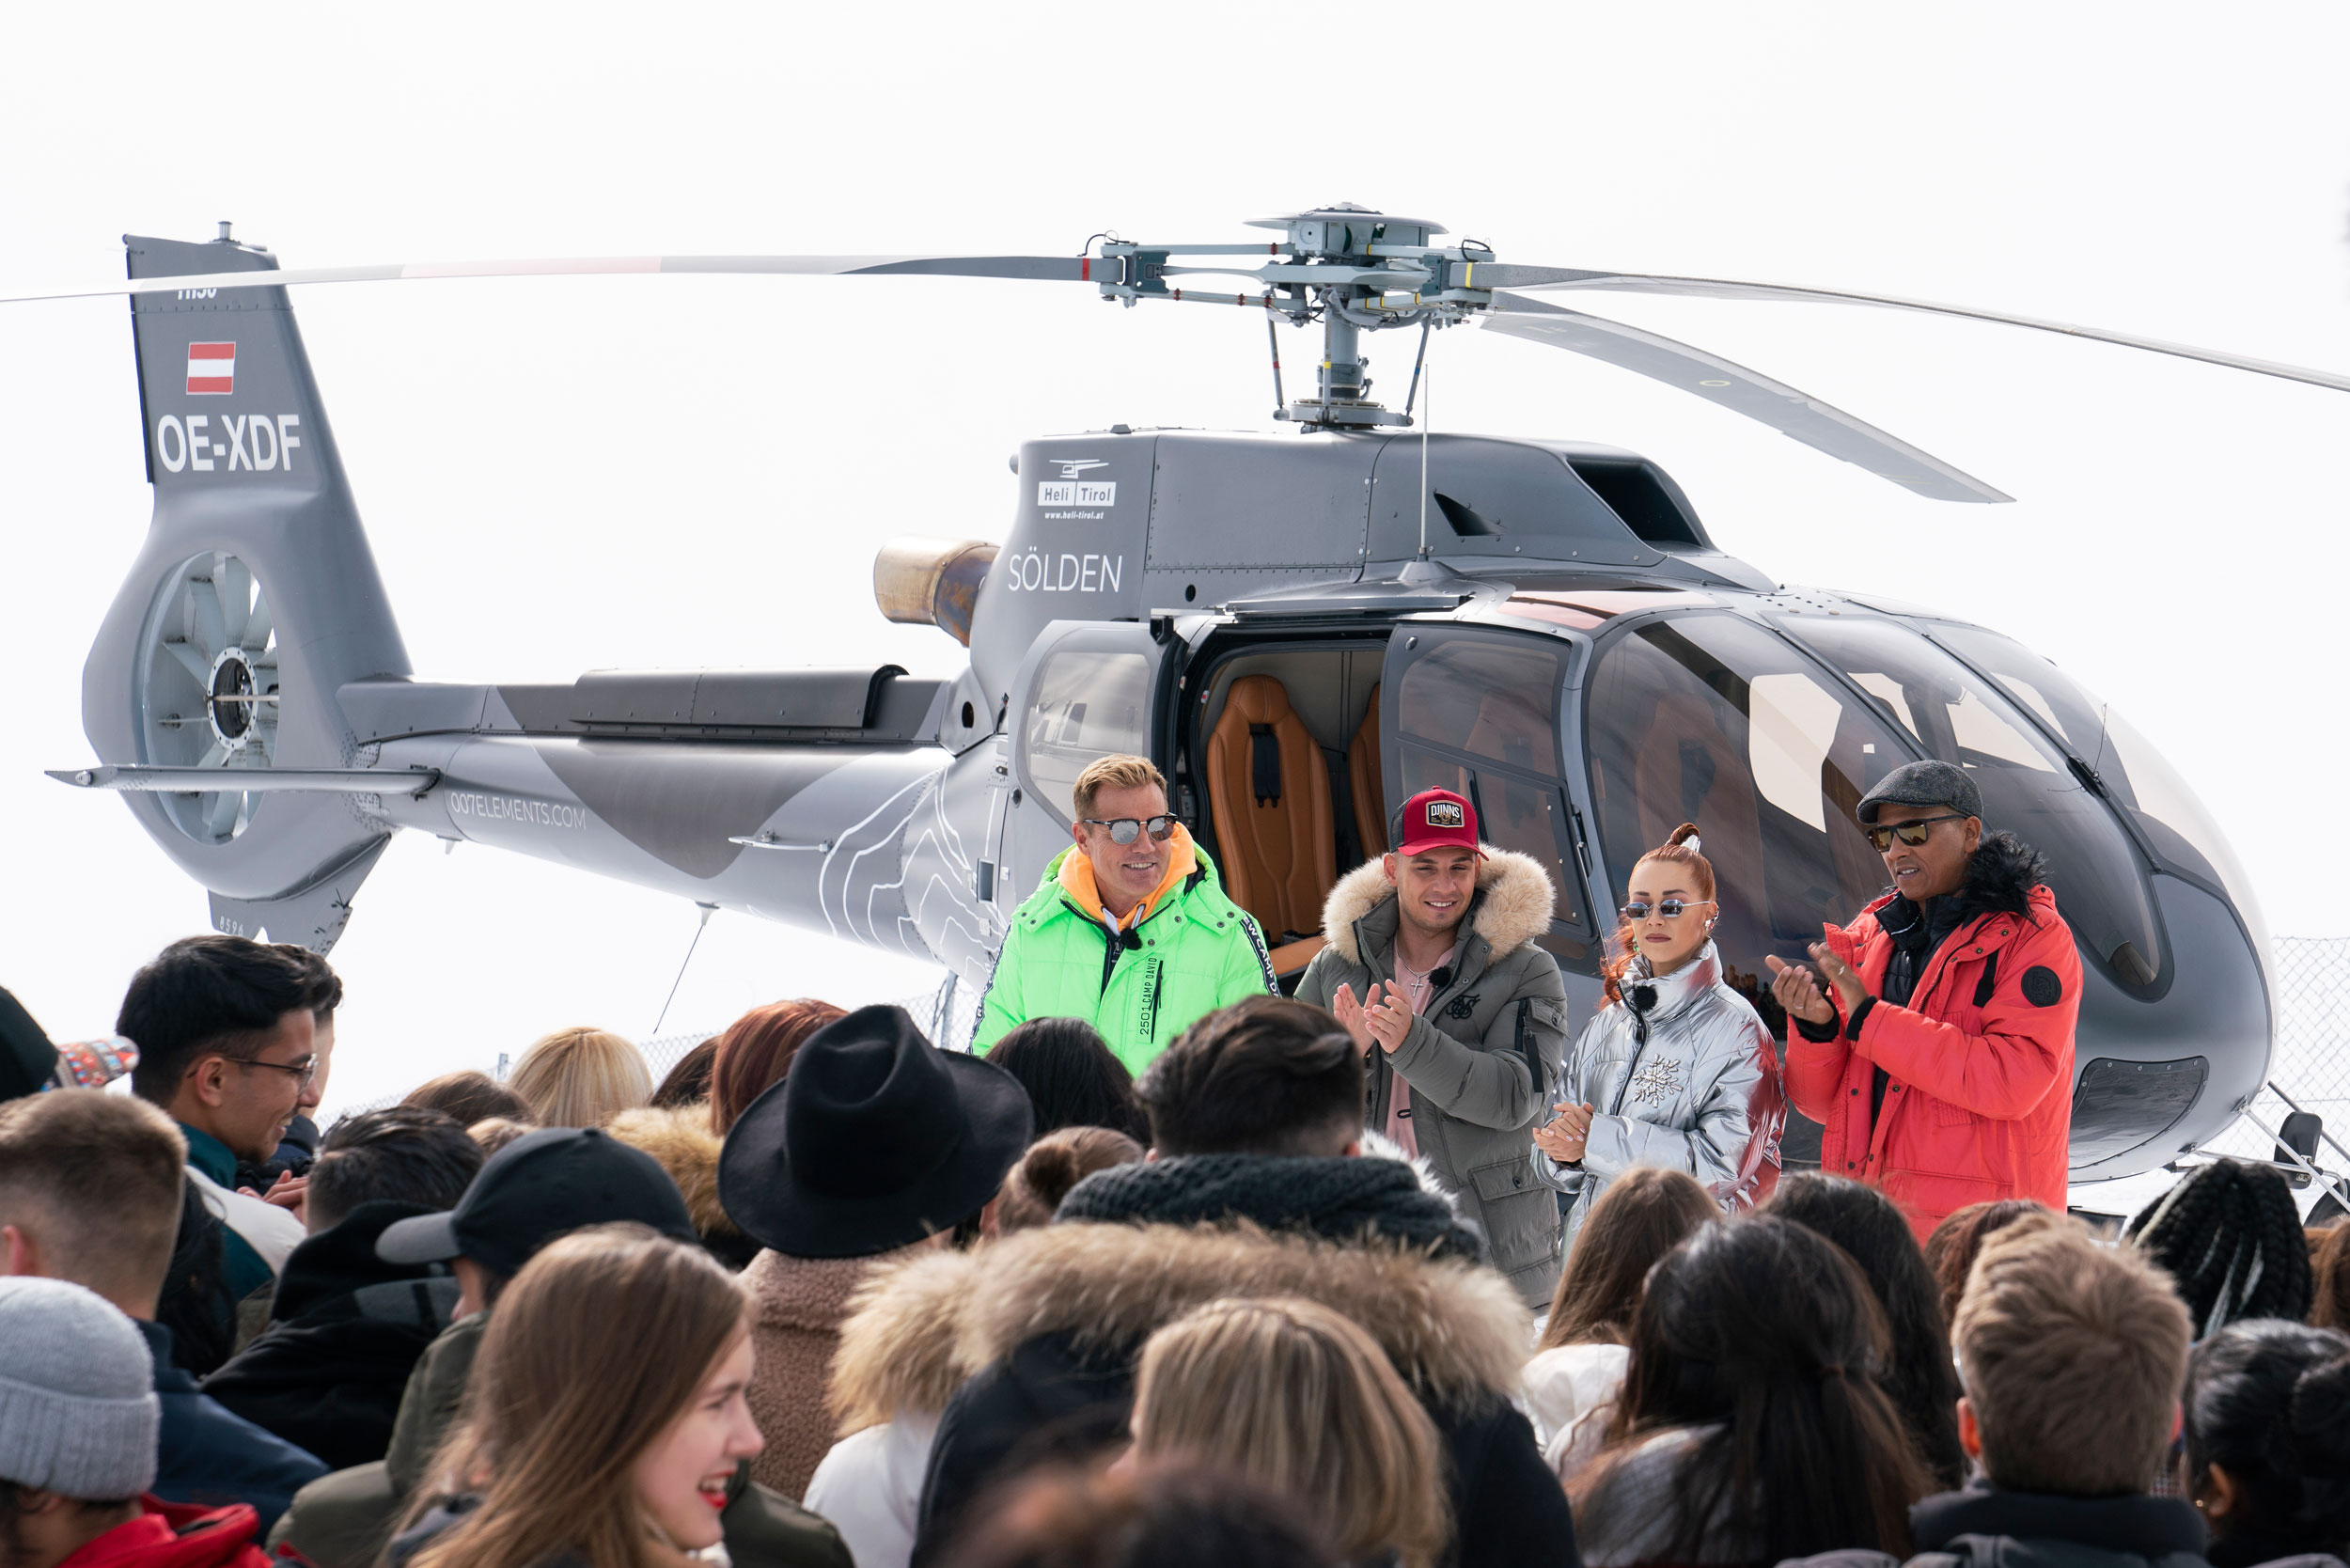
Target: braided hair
[2231, 1238]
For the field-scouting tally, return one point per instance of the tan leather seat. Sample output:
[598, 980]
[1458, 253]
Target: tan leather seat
[1269, 795]
[1365, 781]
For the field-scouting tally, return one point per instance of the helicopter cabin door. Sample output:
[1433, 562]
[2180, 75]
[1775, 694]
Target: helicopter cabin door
[1088, 689]
[1480, 713]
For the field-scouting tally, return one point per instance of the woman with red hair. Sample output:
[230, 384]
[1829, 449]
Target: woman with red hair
[1676, 1070]
[756, 1052]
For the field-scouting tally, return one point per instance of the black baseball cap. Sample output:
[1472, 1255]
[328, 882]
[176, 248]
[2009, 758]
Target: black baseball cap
[543, 1185]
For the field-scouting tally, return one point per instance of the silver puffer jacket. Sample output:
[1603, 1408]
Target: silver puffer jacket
[1681, 1072]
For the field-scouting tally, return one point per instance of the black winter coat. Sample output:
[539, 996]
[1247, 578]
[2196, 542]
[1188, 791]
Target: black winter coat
[209, 1455]
[1982, 1527]
[345, 1330]
[1069, 1307]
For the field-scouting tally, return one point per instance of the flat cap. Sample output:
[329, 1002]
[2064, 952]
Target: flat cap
[1927, 783]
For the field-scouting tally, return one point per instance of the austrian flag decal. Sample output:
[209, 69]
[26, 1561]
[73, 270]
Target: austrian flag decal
[211, 368]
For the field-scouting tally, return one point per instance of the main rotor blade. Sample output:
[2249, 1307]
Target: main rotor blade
[1818, 425]
[1503, 275]
[1061, 269]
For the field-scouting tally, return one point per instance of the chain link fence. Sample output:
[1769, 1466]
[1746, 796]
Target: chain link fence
[946, 1012]
[2311, 1062]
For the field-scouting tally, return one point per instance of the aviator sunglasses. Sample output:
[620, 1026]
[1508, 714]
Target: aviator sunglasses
[1670, 908]
[1125, 830]
[1912, 834]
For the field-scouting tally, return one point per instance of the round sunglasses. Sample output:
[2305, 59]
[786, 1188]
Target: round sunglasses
[1671, 909]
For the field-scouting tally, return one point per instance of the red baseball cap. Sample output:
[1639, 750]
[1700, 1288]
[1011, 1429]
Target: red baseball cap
[1433, 819]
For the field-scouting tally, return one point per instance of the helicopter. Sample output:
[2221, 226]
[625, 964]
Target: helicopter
[1301, 630]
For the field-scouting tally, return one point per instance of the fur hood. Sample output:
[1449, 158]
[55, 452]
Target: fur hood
[905, 1348]
[1455, 1330]
[898, 1346]
[682, 1142]
[1512, 907]
[2001, 877]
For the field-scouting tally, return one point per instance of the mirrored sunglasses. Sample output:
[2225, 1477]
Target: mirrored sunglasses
[1125, 830]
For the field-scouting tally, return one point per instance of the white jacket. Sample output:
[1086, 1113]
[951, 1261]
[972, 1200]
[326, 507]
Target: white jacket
[871, 1487]
[1570, 1393]
[271, 1230]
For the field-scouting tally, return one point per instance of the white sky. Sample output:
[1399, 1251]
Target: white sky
[562, 475]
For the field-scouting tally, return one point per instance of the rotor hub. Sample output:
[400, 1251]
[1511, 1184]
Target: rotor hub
[229, 702]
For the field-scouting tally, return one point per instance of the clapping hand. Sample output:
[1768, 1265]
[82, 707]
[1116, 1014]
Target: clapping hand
[1383, 1018]
[1850, 993]
[1564, 1139]
[1794, 989]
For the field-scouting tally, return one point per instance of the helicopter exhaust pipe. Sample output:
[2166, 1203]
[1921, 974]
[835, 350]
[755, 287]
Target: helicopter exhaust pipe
[932, 582]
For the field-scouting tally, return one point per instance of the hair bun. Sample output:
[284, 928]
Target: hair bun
[1050, 1170]
[1685, 834]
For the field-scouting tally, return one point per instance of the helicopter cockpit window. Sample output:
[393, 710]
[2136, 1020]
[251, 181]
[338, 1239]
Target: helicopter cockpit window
[1477, 715]
[1709, 719]
[1088, 704]
[2165, 811]
[2026, 785]
[1491, 698]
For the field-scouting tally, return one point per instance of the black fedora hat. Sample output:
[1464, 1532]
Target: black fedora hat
[874, 1140]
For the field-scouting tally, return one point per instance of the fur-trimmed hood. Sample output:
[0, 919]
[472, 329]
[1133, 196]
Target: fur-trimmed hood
[897, 1348]
[1455, 1330]
[1512, 907]
[682, 1142]
[912, 1338]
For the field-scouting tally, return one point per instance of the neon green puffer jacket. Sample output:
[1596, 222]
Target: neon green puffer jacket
[1195, 952]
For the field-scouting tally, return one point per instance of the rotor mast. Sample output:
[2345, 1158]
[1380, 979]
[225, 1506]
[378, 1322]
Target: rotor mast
[1352, 270]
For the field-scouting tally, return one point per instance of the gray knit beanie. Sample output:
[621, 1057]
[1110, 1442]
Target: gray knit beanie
[78, 1412]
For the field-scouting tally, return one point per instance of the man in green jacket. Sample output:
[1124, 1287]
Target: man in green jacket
[1130, 929]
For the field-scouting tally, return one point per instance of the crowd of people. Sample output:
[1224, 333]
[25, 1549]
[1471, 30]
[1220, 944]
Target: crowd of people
[1360, 1278]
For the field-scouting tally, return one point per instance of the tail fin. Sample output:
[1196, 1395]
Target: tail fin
[254, 599]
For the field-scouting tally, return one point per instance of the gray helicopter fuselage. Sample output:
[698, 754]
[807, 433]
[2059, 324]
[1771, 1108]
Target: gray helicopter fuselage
[1546, 624]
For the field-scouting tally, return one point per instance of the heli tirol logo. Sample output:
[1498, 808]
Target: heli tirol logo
[211, 369]
[1444, 814]
[1073, 489]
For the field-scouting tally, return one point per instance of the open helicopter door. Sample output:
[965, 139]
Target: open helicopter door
[1483, 713]
[1086, 689]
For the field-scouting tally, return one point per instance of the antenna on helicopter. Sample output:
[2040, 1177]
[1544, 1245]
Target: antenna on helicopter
[1424, 421]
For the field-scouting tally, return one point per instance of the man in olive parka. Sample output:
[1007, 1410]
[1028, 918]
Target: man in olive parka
[1431, 967]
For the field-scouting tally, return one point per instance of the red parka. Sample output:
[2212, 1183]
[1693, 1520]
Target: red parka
[1979, 1101]
[176, 1535]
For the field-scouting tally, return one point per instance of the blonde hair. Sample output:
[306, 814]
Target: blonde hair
[581, 1077]
[1114, 772]
[2073, 1355]
[493, 1132]
[1299, 1400]
[553, 1453]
